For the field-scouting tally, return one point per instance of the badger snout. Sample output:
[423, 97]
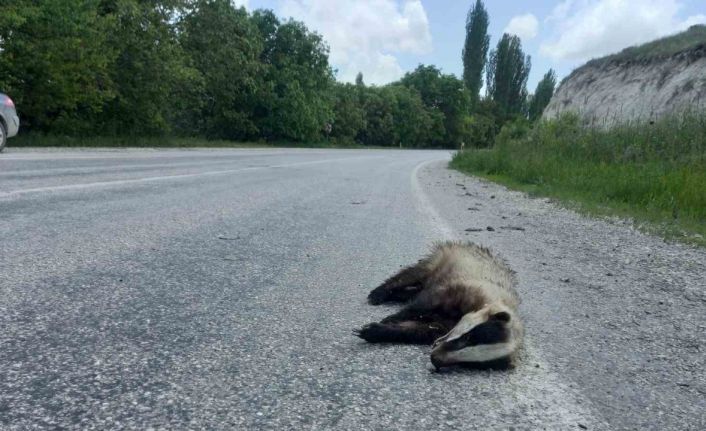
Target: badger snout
[439, 354]
[437, 361]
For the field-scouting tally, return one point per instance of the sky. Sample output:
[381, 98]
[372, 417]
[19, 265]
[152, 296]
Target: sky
[383, 39]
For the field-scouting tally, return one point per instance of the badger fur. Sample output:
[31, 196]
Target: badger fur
[462, 299]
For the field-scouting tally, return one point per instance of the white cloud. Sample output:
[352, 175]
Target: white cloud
[365, 35]
[692, 20]
[238, 3]
[585, 29]
[560, 11]
[525, 26]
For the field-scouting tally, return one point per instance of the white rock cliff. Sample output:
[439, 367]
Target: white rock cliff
[607, 92]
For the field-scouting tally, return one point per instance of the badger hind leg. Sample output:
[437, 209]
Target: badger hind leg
[406, 331]
[401, 287]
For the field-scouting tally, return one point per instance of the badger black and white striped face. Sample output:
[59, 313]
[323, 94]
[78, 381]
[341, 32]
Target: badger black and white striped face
[482, 337]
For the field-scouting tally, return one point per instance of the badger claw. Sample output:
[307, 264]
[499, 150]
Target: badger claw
[360, 332]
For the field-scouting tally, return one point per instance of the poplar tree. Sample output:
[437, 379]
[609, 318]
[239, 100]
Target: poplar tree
[542, 95]
[507, 73]
[475, 50]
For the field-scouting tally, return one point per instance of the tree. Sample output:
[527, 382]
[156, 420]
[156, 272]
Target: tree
[475, 50]
[507, 72]
[150, 71]
[413, 123]
[446, 95]
[297, 100]
[55, 62]
[359, 80]
[225, 46]
[208, 68]
[349, 115]
[542, 95]
[379, 119]
[385, 116]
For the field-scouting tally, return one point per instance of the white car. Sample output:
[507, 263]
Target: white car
[9, 121]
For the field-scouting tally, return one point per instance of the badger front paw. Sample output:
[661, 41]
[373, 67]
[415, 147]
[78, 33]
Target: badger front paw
[378, 296]
[372, 332]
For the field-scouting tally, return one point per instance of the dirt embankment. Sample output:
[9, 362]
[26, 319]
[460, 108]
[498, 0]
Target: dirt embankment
[609, 91]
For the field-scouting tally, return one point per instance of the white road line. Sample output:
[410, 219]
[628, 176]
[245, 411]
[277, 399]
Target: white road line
[425, 206]
[82, 170]
[168, 177]
[535, 383]
[140, 154]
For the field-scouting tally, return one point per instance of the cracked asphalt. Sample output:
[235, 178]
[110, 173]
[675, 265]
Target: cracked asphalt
[217, 289]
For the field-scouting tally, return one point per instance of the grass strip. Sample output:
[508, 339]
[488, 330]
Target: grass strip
[653, 173]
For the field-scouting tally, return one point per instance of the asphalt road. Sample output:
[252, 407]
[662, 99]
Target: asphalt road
[217, 289]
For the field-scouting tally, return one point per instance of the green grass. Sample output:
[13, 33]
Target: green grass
[654, 174]
[40, 140]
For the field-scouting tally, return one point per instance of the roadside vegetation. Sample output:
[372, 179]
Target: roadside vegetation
[652, 173]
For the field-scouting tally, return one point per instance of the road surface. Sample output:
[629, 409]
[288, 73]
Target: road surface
[218, 289]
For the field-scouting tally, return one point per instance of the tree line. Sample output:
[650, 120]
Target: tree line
[506, 69]
[207, 68]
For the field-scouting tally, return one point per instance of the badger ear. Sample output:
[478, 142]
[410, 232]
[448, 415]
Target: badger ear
[502, 316]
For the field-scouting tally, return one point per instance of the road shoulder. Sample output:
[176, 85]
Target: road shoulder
[618, 314]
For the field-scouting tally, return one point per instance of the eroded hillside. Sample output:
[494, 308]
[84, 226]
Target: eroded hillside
[638, 84]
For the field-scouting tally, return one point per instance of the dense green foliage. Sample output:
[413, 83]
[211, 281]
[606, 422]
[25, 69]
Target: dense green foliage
[542, 95]
[475, 49]
[426, 108]
[446, 99]
[296, 93]
[206, 68]
[654, 172]
[508, 70]
[224, 46]
[148, 73]
[56, 61]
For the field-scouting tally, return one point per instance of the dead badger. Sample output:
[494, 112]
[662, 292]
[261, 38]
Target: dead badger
[461, 299]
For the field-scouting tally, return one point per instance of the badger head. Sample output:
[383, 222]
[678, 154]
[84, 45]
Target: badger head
[488, 337]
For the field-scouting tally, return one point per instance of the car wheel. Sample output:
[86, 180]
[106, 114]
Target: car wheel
[3, 136]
